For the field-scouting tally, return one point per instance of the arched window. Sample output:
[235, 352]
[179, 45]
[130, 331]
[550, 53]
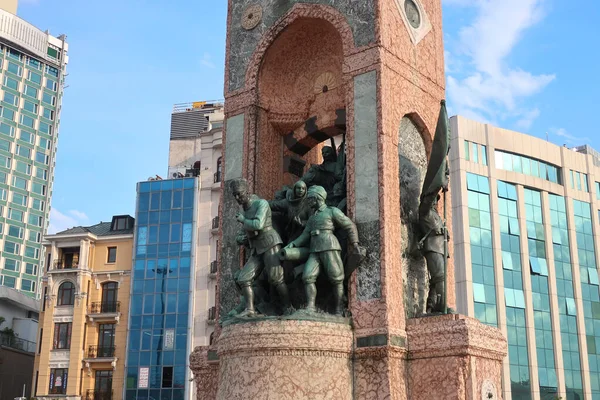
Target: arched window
[218, 174]
[66, 294]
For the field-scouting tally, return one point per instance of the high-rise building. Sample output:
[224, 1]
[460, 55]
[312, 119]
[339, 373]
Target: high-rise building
[195, 150]
[33, 65]
[526, 223]
[163, 289]
[83, 320]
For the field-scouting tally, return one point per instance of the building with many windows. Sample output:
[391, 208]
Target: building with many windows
[163, 290]
[526, 230]
[83, 320]
[32, 66]
[195, 150]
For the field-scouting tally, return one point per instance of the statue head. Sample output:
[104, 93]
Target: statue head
[316, 197]
[300, 190]
[239, 189]
[328, 153]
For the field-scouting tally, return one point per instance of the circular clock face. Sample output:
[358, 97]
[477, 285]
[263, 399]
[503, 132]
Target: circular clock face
[412, 13]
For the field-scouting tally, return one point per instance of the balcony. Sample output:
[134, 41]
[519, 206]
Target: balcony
[64, 265]
[95, 352]
[214, 267]
[212, 315]
[13, 342]
[99, 395]
[104, 311]
[215, 225]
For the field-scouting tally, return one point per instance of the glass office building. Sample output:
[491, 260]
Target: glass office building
[33, 65]
[526, 223]
[161, 307]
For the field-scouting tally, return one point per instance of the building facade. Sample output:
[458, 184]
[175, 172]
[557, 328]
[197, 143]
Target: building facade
[163, 290]
[526, 227]
[196, 139]
[83, 320]
[33, 65]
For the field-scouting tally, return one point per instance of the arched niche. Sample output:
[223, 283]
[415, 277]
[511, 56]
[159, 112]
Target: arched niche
[301, 97]
[412, 154]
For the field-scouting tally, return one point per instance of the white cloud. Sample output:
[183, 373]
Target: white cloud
[568, 138]
[207, 61]
[60, 222]
[487, 85]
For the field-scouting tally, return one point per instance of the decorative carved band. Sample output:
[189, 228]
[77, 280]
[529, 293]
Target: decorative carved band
[285, 353]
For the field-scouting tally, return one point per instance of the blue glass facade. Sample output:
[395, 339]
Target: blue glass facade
[161, 296]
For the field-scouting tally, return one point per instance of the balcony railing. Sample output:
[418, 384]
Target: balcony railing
[214, 266]
[217, 177]
[99, 307]
[99, 394]
[64, 264]
[14, 342]
[215, 223]
[101, 351]
[212, 314]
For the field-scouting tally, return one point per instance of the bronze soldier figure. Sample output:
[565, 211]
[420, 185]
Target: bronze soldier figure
[325, 249]
[264, 242]
[292, 211]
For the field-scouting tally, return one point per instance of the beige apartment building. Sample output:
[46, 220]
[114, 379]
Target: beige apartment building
[83, 321]
[195, 150]
[526, 248]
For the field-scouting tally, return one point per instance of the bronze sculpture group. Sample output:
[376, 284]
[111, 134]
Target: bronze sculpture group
[303, 238]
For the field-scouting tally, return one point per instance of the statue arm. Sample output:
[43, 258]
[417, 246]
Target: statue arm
[303, 239]
[257, 223]
[344, 223]
[278, 205]
[242, 238]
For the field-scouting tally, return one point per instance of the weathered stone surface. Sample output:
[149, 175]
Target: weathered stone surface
[234, 143]
[369, 273]
[359, 14]
[413, 165]
[230, 255]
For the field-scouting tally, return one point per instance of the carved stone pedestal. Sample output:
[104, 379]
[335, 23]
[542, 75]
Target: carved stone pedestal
[454, 357]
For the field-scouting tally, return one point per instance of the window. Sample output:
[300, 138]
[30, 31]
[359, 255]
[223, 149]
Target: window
[27, 285]
[14, 54]
[34, 236]
[167, 377]
[11, 83]
[66, 294]
[15, 68]
[9, 281]
[52, 71]
[33, 63]
[30, 91]
[31, 269]
[27, 137]
[49, 99]
[219, 170]
[23, 151]
[44, 143]
[7, 129]
[19, 183]
[15, 215]
[38, 205]
[45, 128]
[29, 106]
[19, 199]
[31, 252]
[35, 220]
[12, 248]
[15, 231]
[112, 255]
[27, 121]
[35, 78]
[3, 194]
[2, 180]
[106, 340]
[4, 161]
[41, 173]
[12, 265]
[51, 84]
[38, 188]
[23, 167]
[11, 99]
[58, 381]
[8, 113]
[41, 158]
[48, 114]
[5, 145]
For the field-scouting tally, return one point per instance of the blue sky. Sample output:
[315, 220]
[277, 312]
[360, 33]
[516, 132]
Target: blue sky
[527, 65]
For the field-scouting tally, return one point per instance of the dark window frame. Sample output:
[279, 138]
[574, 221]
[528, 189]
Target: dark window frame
[64, 373]
[66, 289]
[111, 255]
[65, 328]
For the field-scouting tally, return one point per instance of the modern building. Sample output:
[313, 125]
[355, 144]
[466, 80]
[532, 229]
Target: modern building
[33, 65]
[163, 290]
[195, 150]
[526, 229]
[18, 331]
[83, 320]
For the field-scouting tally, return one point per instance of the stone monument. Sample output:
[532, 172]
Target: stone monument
[352, 89]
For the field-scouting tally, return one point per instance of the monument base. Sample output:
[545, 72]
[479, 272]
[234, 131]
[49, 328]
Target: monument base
[454, 357]
[449, 357]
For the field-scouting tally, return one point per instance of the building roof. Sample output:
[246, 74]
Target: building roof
[101, 229]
